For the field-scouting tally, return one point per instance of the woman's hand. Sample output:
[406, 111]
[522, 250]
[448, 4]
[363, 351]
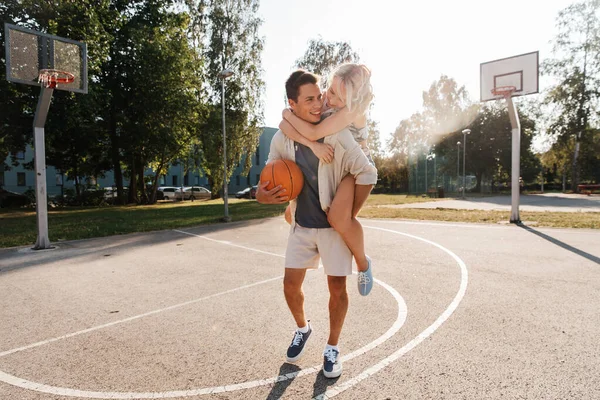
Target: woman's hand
[324, 152]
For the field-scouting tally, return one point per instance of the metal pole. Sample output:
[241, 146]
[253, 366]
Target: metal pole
[457, 164]
[225, 195]
[435, 171]
[464, 187]
[41, 203]
[516, 156]
[417, 174]
[426, 186]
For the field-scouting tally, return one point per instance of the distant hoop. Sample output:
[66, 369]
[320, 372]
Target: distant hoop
[504, 91]
[51, 77]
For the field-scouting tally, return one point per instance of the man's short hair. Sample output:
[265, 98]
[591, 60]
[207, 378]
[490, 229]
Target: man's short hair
[297, 79]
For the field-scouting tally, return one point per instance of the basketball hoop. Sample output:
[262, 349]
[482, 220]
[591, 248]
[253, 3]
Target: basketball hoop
[51, 77]
[504, 91]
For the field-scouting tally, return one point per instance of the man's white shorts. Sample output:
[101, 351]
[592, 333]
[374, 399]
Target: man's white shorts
[307, 245]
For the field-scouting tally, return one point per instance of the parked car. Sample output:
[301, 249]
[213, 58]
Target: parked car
[166, 192]
[248, 193]
[11, 199]
[193, 193]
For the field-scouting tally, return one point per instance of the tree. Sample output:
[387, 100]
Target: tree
[232, 41]
[446, 111]
[576, 67]
[322, 56]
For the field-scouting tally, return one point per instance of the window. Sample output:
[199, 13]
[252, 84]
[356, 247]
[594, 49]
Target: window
[186, 180]
[174, 180]
[161, 180]
[258, 155]
[197, 182]
[21, 179]
[59, 179]
[20, 155]
[237, 180]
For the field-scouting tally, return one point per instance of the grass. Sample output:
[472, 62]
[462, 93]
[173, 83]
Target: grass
[18, 227]
[589, 220]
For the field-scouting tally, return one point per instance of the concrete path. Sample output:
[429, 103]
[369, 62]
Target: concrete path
[551, 202]
[459, 311]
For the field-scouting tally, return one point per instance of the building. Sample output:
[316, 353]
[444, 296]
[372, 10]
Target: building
[19, 179]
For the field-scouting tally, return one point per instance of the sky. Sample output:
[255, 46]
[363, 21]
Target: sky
[407, 45]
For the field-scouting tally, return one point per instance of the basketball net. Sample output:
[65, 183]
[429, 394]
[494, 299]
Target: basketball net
[51, 77]
[504, 91]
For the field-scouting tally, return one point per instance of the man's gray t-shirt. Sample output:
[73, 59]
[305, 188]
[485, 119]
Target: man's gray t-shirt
[309, 213]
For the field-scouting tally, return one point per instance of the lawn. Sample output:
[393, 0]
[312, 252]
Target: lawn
[18, 227]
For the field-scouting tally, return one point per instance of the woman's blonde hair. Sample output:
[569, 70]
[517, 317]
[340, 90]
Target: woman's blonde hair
[356, 79]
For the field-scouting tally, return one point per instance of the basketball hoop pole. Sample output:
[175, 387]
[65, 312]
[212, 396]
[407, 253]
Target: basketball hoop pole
[516, 158]
[41, 204]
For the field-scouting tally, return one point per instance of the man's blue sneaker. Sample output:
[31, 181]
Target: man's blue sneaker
[297, 347]
[365, 280]
[332, 365]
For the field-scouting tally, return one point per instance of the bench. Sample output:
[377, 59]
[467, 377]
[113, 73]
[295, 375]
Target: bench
[587, 189]
[432, 193]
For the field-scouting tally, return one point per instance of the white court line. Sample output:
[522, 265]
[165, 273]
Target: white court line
[450, 225]
[334, 391]
[39, 387]
[95, 328]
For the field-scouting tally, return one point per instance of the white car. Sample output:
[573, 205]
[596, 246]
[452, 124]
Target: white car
[168, 192]
[193, 193]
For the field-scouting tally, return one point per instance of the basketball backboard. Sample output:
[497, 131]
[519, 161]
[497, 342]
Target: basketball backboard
[521, 71]
[29, 51]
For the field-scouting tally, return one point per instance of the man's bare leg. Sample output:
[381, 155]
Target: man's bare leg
[338, 307]
[292, 289]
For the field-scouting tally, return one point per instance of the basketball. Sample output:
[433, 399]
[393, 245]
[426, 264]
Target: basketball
[285, 173]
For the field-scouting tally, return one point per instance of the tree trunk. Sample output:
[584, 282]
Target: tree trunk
[142, 183]
[575, 168]
[479, 177]
[133, 196]
[155, 181]
[116, 158]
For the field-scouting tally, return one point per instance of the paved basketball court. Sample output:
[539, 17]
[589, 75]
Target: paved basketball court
[459, 312]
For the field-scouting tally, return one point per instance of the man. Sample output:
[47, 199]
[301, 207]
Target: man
[311, 237]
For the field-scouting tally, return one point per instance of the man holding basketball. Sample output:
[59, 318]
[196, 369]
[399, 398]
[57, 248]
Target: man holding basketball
[311, 237]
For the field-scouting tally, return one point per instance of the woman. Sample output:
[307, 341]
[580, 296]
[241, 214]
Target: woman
[346, 104]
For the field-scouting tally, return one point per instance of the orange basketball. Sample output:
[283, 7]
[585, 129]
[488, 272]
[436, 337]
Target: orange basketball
[285, 173]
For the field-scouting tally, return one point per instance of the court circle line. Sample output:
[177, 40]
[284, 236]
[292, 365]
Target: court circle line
[55, 390]
[367, 373]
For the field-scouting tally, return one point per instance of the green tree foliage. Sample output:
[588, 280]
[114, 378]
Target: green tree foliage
[438, 127]
[322, 56]
[154, 92]
[489, 148]
[575, 97]
[232, 42]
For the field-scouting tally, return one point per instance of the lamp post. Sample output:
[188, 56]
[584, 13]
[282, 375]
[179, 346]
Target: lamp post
[226, 73]
[457, 163]
[465, 133]
[426, 162]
